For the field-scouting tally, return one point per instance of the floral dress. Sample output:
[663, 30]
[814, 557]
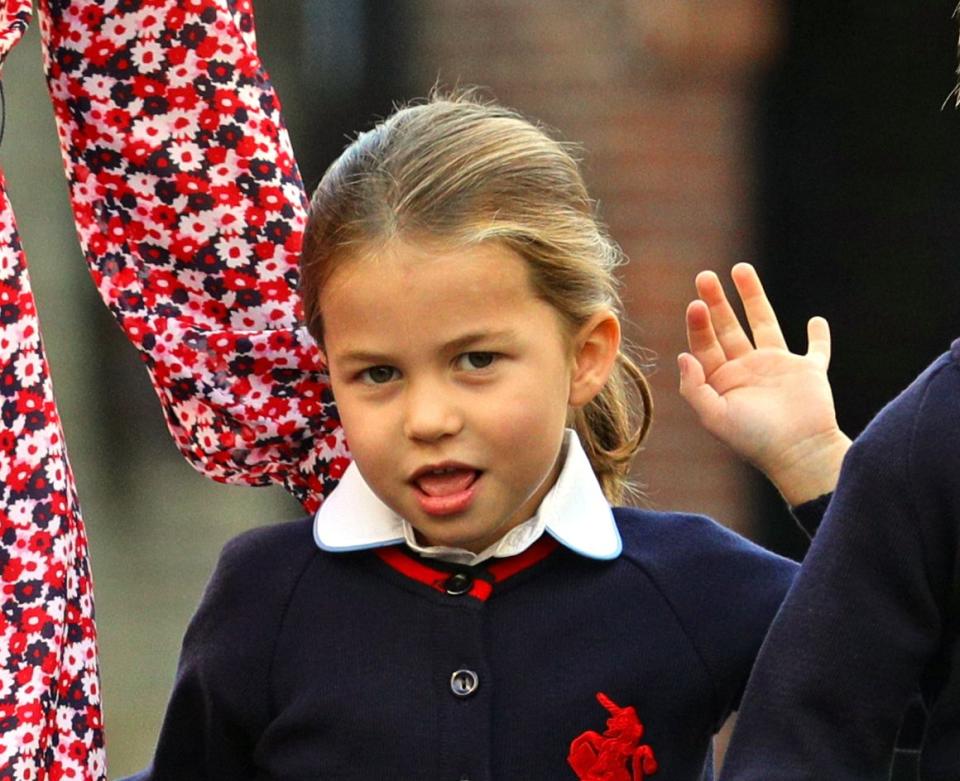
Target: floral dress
[50, 718]
[190, 211]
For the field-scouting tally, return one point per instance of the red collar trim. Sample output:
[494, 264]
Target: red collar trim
[397, 557]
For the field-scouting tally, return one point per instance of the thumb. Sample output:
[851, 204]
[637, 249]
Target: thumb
[697, 392]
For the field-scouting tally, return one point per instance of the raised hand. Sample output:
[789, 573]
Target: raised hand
[771, 406]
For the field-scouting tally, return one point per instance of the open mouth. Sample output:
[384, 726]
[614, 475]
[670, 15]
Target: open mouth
[446, 490]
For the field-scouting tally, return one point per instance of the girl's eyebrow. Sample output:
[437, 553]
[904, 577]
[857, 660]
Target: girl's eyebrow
[467, 340]
[359, 356]
[455, 345]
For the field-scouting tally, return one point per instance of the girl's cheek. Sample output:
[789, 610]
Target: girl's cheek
[520, 418]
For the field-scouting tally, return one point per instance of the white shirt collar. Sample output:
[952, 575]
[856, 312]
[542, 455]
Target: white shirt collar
[574, 512]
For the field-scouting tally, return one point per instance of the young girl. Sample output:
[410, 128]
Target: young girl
[189, 209]
[466, 604]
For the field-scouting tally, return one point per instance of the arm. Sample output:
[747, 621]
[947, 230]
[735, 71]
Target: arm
[49, 669]
[190, 212]
[772, 407]
[865, 616]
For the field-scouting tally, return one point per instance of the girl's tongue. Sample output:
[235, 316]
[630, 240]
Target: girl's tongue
[446, 483]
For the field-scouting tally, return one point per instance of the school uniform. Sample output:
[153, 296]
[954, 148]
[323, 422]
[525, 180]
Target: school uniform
[874, 612]
[328, 648]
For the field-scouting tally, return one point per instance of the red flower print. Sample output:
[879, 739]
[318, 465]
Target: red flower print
[617, 754]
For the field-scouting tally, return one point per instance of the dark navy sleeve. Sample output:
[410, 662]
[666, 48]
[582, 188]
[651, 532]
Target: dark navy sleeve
[220, 701]
[724, 591]
[864, 618]
[809, 514]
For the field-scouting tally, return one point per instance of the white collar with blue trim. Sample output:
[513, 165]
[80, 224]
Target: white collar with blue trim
[574, 512]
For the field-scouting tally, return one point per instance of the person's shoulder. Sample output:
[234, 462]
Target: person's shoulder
[278, 539]
[722, 588]
[943, 380]
[927, 412]
[255, 575]
[671, 538]
[941, 396]
[938, 383]
[276, 553]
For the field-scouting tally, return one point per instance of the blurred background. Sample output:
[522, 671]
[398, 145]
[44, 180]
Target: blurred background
[816, 139]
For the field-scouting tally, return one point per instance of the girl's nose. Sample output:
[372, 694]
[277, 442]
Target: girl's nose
[430, 414]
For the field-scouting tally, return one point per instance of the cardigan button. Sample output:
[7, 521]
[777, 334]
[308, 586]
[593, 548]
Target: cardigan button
[458, 584]
[463, 683]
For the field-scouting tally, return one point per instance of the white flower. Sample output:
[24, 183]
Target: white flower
[26, 333]
[293, 194]
[249, 95]
[233, 251]
[65, 724]
[91, 686]
[222, 174]
[25, 768]
[99, 86]
[97, 762]
[191, 279]
[33, 448]
[149, 23]
[8, 347]
[142, 184]
[183, 123]
[250, 319]
[78, 37]
[21, 511]
[201, 226]
[119, 29]
[147, 55]
[9, 261]
[29, 369]
[56, 474]
[153, 131]
[271, 269]
[230, 219]
[187, 155]
[62, 550]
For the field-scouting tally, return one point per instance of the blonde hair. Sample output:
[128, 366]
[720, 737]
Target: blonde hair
[460, 170]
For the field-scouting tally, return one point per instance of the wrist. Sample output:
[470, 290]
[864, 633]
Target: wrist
[810, 468]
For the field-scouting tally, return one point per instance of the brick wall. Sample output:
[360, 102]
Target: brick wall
[659, 93]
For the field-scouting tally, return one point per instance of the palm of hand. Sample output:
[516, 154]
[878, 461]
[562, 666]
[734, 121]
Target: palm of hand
[768, 404]
[771, 406]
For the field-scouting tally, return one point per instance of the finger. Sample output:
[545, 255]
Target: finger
[702, 339]
[727, 326]
[763, 320]
[818, 341]
[697, 392]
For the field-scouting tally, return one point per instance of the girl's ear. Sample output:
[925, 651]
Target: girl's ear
[596, 346]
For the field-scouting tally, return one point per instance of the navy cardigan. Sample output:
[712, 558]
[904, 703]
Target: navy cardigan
[874, 612]
[302, 664]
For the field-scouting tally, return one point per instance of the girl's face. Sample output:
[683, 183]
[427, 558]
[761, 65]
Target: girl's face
[453, 382]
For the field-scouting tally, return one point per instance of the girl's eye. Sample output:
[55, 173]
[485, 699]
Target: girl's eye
[378, 375]
[475, 360]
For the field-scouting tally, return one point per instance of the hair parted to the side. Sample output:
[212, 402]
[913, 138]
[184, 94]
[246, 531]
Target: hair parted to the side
[461, 171]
